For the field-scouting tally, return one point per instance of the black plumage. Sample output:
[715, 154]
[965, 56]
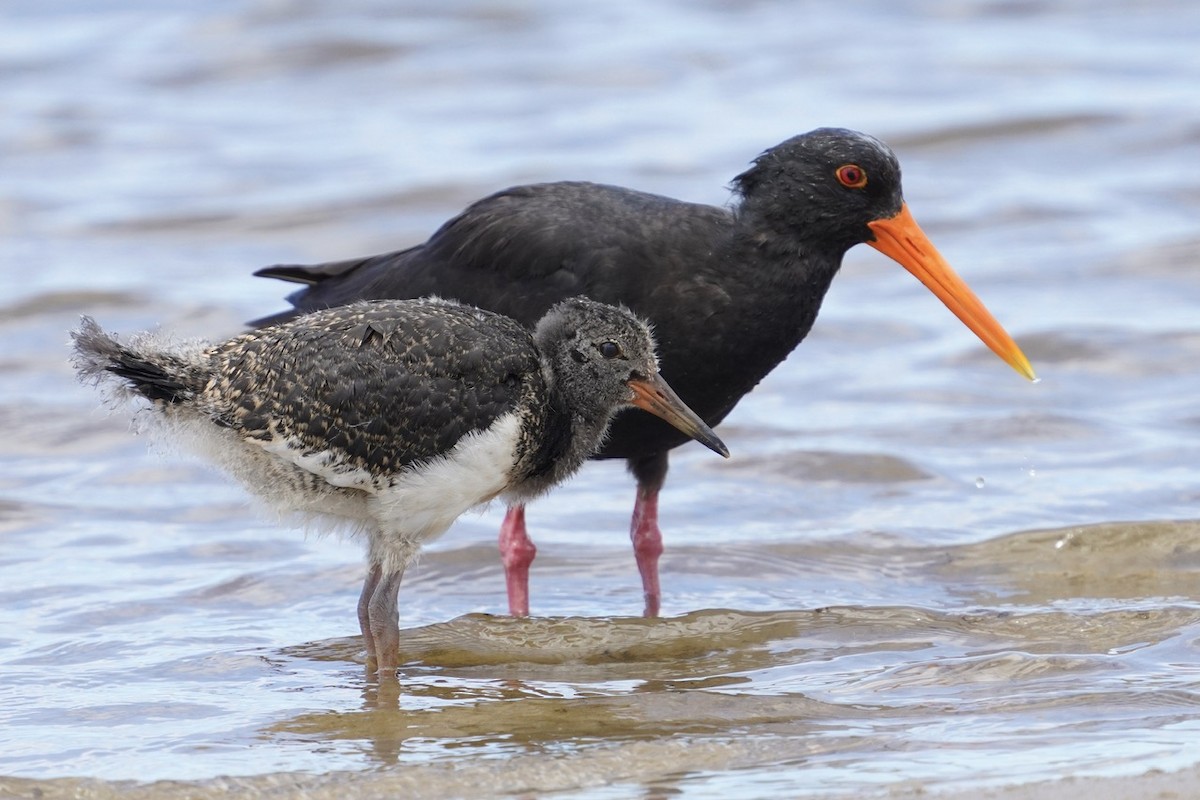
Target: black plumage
[397, 416]
[730, 291]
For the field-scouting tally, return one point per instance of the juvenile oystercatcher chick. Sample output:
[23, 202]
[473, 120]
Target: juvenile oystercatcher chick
[396, 416]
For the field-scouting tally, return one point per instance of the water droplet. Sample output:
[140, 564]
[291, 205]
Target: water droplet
[979, 483]
[1037, 380]
[1032, 472]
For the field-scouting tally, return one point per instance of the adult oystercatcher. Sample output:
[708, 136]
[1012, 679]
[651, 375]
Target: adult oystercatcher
[397, 416]
[730, 292]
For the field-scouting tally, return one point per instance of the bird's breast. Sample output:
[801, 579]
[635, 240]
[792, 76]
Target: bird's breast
[427, 497]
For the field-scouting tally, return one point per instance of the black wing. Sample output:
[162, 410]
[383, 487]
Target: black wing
[376, 386]
[521, 250]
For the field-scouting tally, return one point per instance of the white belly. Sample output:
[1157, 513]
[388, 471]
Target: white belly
[402, 510]
[424, 502]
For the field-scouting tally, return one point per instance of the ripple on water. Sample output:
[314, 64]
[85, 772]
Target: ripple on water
[1116, 560]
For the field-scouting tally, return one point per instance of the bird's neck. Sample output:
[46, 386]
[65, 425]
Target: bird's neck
[763, 303]
[780, 280]
[558, 439]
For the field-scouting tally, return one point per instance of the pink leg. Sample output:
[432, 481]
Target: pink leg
[516, 552]
[647, 545]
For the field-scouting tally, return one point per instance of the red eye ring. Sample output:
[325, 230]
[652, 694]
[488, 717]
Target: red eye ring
[852, 176]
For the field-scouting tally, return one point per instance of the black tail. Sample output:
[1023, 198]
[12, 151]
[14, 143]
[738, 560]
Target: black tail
[338, 283]
[155, 376]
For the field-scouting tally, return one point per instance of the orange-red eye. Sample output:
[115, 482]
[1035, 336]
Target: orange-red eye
[852, 176]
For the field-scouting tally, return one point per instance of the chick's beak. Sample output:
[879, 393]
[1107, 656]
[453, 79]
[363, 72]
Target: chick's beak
[654, 395]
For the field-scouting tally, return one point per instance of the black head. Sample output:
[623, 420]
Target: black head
[602, 359]
[823, 187]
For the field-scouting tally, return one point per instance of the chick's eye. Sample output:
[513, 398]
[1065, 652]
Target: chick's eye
[610, 349]
[851, 176]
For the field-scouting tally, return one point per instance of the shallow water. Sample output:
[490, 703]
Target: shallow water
[918, 572]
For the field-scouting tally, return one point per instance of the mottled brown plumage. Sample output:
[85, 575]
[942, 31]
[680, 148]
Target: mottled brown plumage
[377, 389]
[397, 416]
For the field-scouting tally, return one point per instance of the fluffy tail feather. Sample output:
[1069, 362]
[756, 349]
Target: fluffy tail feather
[155, 375]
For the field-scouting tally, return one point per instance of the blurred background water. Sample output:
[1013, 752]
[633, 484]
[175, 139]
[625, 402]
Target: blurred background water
[917, 573]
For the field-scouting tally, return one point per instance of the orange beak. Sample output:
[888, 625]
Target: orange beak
[902, 240]
[654, 395]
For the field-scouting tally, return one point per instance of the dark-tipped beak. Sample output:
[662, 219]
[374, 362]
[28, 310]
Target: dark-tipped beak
[901, 239]
[654, 395]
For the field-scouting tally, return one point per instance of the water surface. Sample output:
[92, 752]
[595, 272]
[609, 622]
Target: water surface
[918, 573]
